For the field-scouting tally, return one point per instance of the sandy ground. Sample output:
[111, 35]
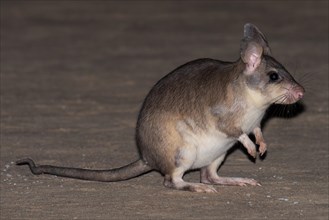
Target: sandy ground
[74, 75]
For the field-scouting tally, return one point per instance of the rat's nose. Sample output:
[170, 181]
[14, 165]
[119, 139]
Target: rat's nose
[299, 93]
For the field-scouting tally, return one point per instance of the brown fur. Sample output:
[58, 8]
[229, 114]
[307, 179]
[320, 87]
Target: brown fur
[193, 115]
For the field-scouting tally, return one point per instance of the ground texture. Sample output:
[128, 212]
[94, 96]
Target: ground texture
[74, 75]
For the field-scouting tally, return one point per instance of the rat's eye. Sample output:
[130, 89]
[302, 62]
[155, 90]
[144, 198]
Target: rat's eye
[274, 77]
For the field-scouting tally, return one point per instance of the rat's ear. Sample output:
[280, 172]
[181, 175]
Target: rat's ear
[252, 33]
[251, 55]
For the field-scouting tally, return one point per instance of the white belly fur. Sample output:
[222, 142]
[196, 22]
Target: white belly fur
[252, 119]
[205, 146]
[209, 147]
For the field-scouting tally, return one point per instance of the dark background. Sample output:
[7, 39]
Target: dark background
[74, 75]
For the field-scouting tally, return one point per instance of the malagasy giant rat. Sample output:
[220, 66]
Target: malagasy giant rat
[195, 114]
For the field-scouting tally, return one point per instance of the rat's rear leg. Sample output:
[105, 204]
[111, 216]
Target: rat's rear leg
[175, 181]
[209, 176]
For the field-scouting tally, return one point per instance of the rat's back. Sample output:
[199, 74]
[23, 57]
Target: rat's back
[189, 87]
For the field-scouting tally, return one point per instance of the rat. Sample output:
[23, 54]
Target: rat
[196, 113]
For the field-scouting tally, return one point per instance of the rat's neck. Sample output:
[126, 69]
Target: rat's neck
[255, 98]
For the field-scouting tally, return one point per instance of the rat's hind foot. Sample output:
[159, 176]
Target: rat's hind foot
[231, 181]
[180, 184]
[208, 175]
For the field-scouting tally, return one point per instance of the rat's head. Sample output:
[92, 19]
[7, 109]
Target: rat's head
[266, 79]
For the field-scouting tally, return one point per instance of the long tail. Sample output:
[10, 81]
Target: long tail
[118, 174]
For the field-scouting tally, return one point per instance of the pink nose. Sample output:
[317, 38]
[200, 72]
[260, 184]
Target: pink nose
[298, 95]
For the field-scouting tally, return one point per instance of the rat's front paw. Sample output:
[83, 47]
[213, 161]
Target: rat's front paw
[252, 150]
[248, 144]
[262, 148]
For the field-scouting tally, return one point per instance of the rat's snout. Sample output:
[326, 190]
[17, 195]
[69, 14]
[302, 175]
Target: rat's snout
[297, 93]
[292, 94]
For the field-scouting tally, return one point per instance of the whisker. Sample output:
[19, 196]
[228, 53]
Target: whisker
[305, 77]
[281, 97]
